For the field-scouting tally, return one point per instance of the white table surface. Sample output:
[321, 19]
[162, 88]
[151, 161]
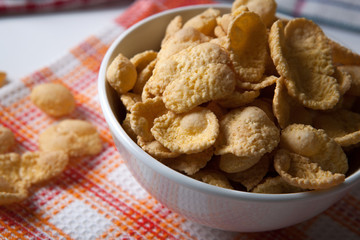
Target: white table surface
[29, 42]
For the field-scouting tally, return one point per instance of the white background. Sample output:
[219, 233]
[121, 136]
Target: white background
[29, 42]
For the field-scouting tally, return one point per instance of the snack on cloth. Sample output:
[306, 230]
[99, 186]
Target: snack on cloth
[77, 138]
[54, 99]
[226, 96]
[7, 140]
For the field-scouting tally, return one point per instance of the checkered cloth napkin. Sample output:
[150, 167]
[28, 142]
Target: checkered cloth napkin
[97, 197]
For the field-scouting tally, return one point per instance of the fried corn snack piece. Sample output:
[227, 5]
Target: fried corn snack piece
[141, 60]
[190, 163]
[344, 79]
[7, 140]
[223, 23]
[213, 177]
[264, 104]
[12, 187]
[238, 98]
[143, 115]
[126, 125]
[302, 55]
[342, 55]
[129, 99]
[231, 163]
[265, 81]
[219, 32]
[252, 176]
[316, 145]
[75, 137]
[2, 78]
[204, 22]
[40, 166]
[54, 99]
[342, 125]
[189, 132]
[202, 73]
[247, 132]
[143, 77]
[216, 109]
[121, 74]
[174, 25]
[301, 172]
[354, 72]
[247, 44]
[275, 185]
[266, 9]
[286, 109]
[156, 149]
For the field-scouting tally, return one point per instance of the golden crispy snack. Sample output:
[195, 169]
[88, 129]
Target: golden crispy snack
[342, 55]
[190, 163]
[316, 145]
[143, 77]
[264, 104]
[156, 149]
[286, 109]
[76, 137]
[189, 132]
[302, 55]
[216, 109]
[129, 99]
[40, 166]
[143, 115]
[219, 32]
[301, 172]
[204, 22]
[247, 132]
[174, 25]
[7, 140]
[54, 99]
[252, 176]
[342, 125]
[12, 187]
[275, 185]
[141, 60]
[231, 163]
[126, 125]
[354, 72]
[121, 74]
[238, 98]
[266, 9]
[345, 79]
[247, 44]
[2, 78]
[223, 23]
[265, 81]
[199, 77]
[213, 177]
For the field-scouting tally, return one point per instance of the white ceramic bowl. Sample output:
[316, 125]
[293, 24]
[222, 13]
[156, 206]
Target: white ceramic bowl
[202, 203]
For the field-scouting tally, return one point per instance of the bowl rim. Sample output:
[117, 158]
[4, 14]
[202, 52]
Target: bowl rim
[119, 133]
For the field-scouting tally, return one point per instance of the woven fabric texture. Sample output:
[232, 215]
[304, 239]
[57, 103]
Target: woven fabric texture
[96, 197]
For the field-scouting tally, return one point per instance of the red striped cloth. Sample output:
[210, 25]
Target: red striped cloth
[27, 6]
[97, 197]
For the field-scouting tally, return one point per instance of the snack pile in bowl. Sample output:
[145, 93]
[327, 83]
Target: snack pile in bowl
[245, 100]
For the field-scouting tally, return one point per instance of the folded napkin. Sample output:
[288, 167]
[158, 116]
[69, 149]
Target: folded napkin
[344, 14]
[97, 197]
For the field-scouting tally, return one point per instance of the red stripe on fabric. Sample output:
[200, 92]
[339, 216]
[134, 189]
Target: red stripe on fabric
[114, 202]
[144, 8]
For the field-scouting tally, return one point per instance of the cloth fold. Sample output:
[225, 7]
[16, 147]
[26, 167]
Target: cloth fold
[97, 197]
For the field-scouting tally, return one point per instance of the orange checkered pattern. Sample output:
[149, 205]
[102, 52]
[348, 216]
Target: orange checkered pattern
[96, 197]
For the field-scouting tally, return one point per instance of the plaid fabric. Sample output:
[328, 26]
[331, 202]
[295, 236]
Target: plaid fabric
[96, 197]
